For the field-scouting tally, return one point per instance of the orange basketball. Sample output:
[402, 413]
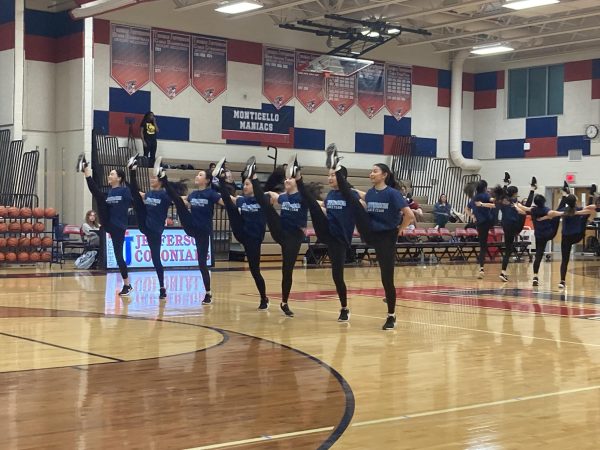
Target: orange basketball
[14, 227]
[46, 256]
[24, 242]
[38, 213]
[36, 241]
[23, 257]
[3, 227]
[26, 227]
[49, 213]
[2, 257]
[13, 212]
[46, 242]
[2, 242]
[35, 256]
[25, 212]
[11, 257]
[3, 211]
[12, 242]
[38, 227]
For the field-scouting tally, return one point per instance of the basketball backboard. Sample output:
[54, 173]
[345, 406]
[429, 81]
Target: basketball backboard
[336, 65]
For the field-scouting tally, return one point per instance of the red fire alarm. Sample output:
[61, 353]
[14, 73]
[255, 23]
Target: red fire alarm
[570, 178]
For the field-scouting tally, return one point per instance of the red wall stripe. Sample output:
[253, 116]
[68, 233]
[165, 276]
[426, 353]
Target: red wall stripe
[101, 31]
[578, 70]
[500, 79]
[443, 97]
[542, 147]
[424, 76]
[468, 82]
[244, 52]
[7, 36]
[40, 48]
[484, 99]
[69, 47]
[596, 88]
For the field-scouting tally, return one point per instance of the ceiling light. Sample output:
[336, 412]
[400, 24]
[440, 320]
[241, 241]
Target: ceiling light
[492, 49]
[524, 4]
[393, 30]
[100, 7]
[369, 33]
[238, 7]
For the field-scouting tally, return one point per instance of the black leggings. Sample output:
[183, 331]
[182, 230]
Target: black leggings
[201, 237]
[150, 151]
[117, 234]
[289, 240]
[483, 229]
[540, 242]
[384, 242]
[565, 251]
[252, 246]
[153, 237]
[336, 246]
[511, 232]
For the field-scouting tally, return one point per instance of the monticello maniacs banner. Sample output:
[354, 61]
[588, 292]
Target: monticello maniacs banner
[278, 75]
[171, 53]
[209, 66]
[371, 89]
[129, 56]
[310, 87]
[268, 125]
[398, 90]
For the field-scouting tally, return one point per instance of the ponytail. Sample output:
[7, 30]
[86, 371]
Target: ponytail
[390, 179]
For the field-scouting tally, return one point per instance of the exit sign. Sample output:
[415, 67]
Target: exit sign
[570, 178]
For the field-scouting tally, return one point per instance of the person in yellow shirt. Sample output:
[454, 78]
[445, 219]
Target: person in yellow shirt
[148, 131]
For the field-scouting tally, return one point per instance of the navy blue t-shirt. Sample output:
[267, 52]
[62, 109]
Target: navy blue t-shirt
[294, 214]
[254, 219]
[544, 229]
[482, 214]
[340, 215]
[202, 203]
[157, 207]
[573, 224]
[384, 208]
[510, 215]
[118, 200]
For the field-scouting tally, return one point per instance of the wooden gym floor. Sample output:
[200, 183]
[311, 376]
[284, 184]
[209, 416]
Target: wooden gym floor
[472, 364]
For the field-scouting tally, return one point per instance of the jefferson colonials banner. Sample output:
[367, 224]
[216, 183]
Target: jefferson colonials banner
[171, 61]
[341, 92]
[129, 56]
[278, 75]
[209, 66]
[310, 87]
[398, 90]
[370, 89]
[267, 125]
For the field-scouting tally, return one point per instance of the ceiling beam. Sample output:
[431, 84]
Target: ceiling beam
[425, 12]
[359, 8]
[195, 5]
[271, 9]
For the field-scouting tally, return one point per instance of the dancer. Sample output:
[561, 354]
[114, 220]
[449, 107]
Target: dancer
[483, 218]
[248, 225]
[288, 229]
[112, 210]
[198, 220]
[334, 227]
[386, 210]
[151, 209]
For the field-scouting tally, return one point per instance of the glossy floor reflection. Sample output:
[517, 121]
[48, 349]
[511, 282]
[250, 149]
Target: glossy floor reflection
[471, 364]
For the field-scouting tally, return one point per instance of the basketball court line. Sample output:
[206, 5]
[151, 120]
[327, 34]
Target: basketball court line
[397, 418]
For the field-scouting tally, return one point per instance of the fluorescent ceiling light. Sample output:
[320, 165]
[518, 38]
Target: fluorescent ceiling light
[238, 7]
[393, 31]
[100, 7]
[491, 49]
[369, 33]
[524, 4]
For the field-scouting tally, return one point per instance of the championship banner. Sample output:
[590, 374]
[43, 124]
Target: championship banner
[267, 125]
[129, 56]
[209, 66]
[310, 87]
[171, 52]
[371, 89]
[278, 75]
[398, 90]
[341, 92]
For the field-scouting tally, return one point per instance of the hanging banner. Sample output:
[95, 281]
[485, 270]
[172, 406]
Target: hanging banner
[398, 90]
[341, 92]
[209, 66]
[267, 125]
[278, 75]
[129, 56]
[310, 87]
[171, 53]
[370, 87]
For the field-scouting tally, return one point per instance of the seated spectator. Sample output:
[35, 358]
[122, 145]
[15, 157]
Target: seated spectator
[441, 211]
[90, 228]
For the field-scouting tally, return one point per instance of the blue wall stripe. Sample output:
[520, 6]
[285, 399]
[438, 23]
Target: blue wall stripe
[41, 23]
[596, 68]
[467, 149]
[101, 121]
[541, 127]
[393, 127]
[425, 147]
[486, 81]
[510, 148]
[566, 143]
[120, 101]
[309, 139]
[444, 78]
[173, 128]
[368, 143]
[234, 142]
[7, 11]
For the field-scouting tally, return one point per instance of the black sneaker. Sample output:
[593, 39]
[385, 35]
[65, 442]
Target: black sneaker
[163, 293]
[533, 183]
[536, 281]
[390, 323]
[250, 168]
[562, 285]
[286, 310]
[132, 164]
[344, 315]
[264, 305]
[332, 156]
[506, 178]
[504, 277]
[207, 299]
[565, 188]
[593, 189]
[127, 288]
[81, 163]
[219, 167]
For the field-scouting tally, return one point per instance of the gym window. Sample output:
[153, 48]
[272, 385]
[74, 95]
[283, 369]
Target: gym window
[536, 91]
